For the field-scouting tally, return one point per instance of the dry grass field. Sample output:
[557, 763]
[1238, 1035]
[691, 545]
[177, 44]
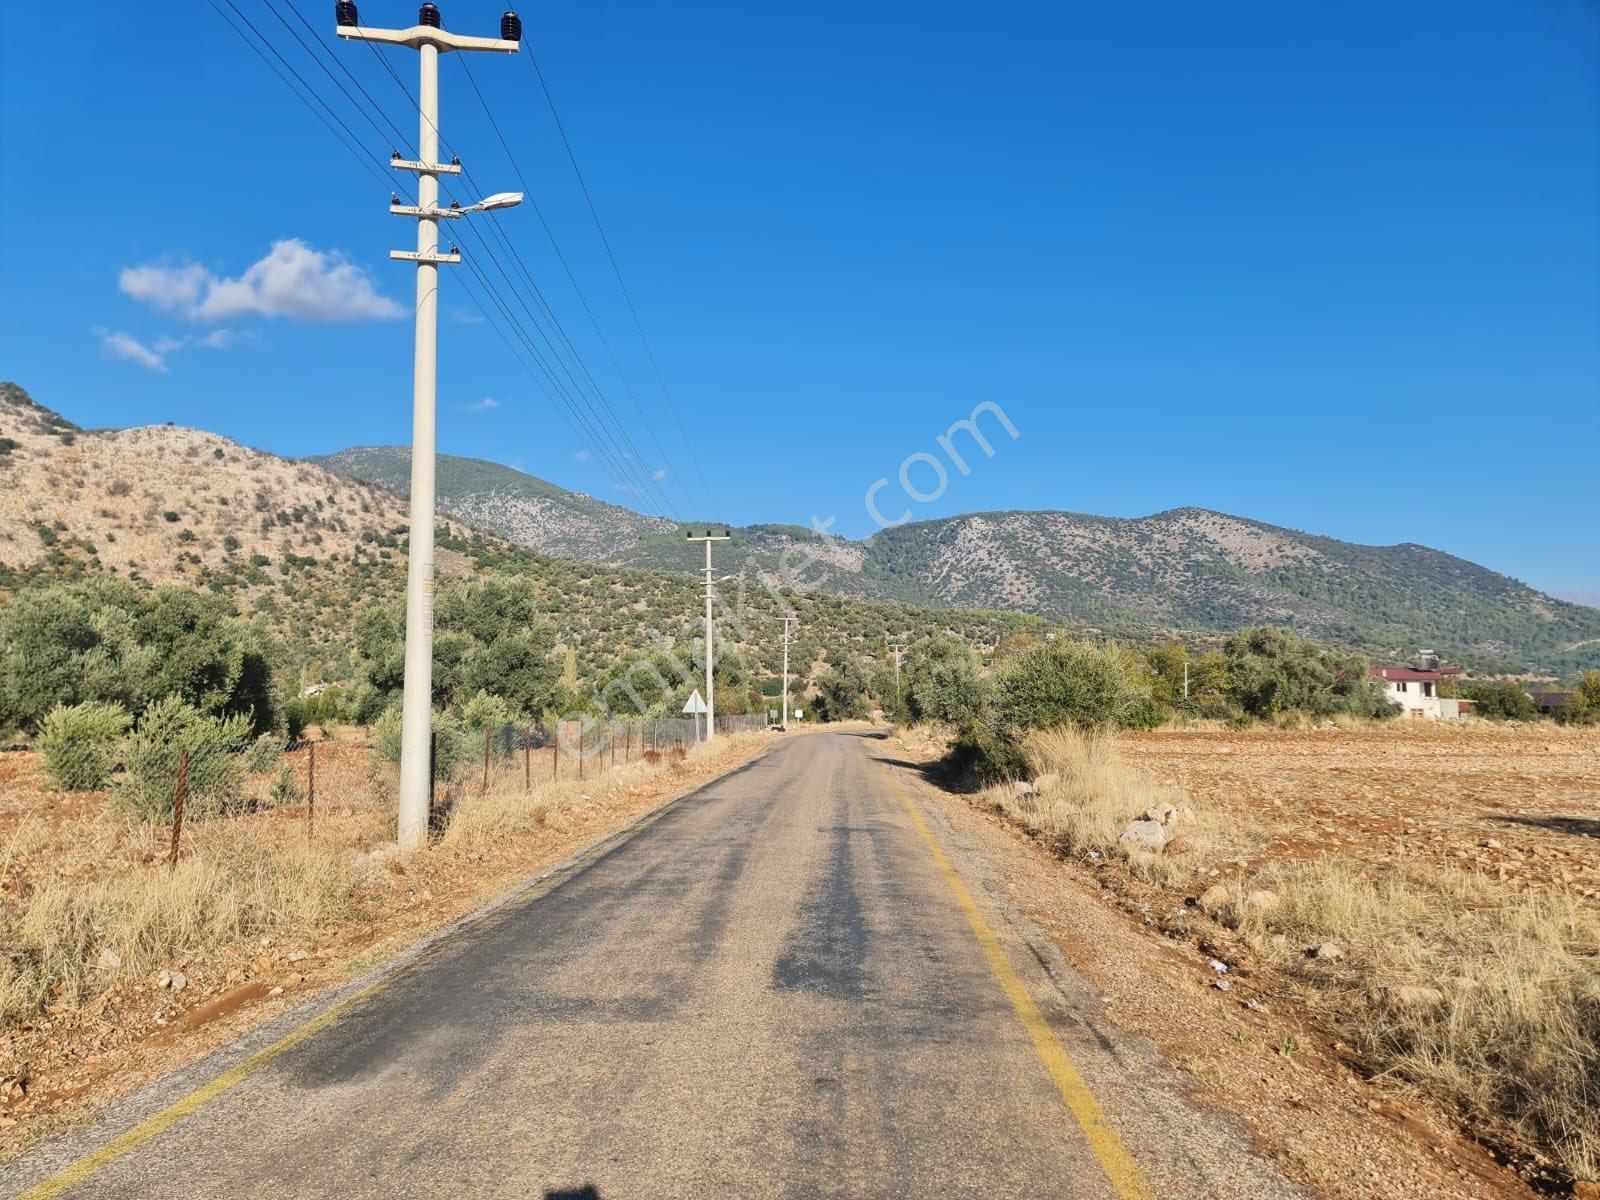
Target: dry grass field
[1424, 900]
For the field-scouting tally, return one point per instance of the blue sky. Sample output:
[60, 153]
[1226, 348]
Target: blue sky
[1334, 269]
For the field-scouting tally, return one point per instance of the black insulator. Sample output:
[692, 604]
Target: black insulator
[511, 27]
[429, 16]
[344, 12]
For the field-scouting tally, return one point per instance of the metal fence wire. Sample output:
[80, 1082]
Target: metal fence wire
[189, 776]
[579, 749]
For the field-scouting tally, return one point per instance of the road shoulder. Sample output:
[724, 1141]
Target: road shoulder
[1264, 1073]
[1185, 1149]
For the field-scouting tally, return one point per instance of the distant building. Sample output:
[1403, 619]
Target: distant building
[1415, 688]
[1549, 702]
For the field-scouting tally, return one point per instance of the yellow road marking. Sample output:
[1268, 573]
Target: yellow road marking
[1119, 1165]
[151, 1126]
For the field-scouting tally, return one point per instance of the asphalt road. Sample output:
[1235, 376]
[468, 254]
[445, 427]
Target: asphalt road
[772, 990]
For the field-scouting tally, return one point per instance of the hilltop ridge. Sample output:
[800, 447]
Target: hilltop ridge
[169, 504]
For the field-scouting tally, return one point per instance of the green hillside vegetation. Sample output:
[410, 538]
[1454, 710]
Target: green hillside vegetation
[1187, 571]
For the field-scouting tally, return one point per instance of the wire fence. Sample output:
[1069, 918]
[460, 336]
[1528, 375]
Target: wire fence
[183, 778]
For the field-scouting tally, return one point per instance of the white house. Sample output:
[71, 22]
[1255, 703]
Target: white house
[1416, 688]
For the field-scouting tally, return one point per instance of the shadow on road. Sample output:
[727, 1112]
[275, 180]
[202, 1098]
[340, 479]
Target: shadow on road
[1576, 826]
[587, 1192]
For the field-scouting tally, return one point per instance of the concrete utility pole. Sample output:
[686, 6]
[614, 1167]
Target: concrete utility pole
[711, 693]
[899, 649]
[787, 622]
[429, 39]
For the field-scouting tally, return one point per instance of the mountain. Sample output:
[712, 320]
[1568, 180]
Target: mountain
[1187, 570]
[305, 552]
[303, 543]
[165, 504]
[511, 503]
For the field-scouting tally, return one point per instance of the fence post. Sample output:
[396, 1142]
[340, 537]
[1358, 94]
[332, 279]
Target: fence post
[611, 732]
[311, 786]
[527, 760]
[177, 807]
[555, 754]
[580, 751]
[488, 736]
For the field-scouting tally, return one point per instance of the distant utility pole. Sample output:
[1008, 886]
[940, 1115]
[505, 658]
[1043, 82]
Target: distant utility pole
[711, 693]
[899, 648]
[787, 622]
[429, 39]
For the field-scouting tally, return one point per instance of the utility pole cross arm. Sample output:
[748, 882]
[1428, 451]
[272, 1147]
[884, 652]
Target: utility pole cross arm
[424, 168]
[419, 36]
[419, 256]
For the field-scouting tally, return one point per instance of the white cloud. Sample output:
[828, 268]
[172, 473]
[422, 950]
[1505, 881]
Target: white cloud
[487, 404]
[294, 281]
[461, 317]
[170, 289]
[220, 339]
[154, 357]
[122, 345]
[659, 475]
[580, 456]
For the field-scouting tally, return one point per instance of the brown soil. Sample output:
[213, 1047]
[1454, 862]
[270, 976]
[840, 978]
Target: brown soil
[1521, 803]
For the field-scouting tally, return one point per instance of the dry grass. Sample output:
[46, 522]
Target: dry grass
[1482, 994]
[239, 879]
[1084, 795]
[244, 878]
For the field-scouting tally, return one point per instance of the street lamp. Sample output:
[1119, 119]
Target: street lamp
[488, 204]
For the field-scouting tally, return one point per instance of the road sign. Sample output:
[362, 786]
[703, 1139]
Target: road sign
[799, 714]
[695, 704]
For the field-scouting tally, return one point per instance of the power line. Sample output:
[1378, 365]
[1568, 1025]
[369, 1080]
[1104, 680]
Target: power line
[644, 478]
[402, 139]
[633, 479]
[617, 271]
[294, 33]
[304, 97]
[516, 166]
[628, 465]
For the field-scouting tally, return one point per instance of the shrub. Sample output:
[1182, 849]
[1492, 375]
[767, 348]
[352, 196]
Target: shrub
[1070, 683]
[262, 754]
[1584, 706]
[79, 744]
[216, 747]
[841, 694]
[1272, 671]
[941, 682]
[449, 741]
[484, 711]
[1500, 700]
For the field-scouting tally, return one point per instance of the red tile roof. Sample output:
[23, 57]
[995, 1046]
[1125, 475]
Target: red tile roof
[1412, 675]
